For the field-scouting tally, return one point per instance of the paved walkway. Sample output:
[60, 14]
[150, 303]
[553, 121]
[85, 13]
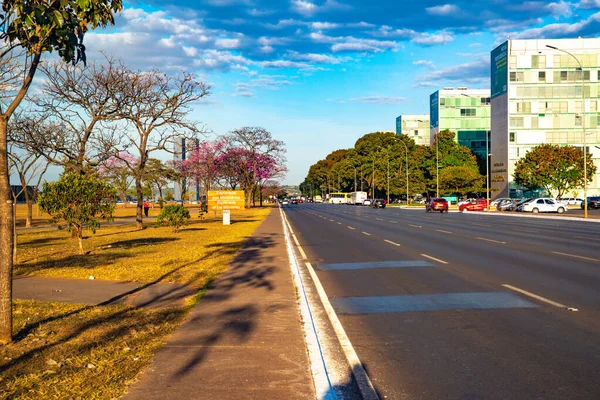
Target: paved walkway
[244, 338]
[86, 291]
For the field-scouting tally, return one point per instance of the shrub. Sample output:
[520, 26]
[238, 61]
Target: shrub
[174, 215]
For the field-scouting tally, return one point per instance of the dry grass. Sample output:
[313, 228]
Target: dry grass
[68, 351]
[195, 255]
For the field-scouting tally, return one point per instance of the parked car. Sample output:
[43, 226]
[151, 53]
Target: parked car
[506, 203]
[592, 202]
[494, 203]
[437, 204]
[517, 206]
[474, 205]
[544, 204]
[367, 202]
[379, 203]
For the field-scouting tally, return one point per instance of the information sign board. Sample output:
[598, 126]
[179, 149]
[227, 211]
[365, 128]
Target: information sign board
[219, 200]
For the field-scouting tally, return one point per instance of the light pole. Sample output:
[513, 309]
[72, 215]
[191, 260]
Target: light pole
[361, 173]
[388, 173]
[437, 166]
[487, 171]
[585, 208]
[406, 153]
[373, 178]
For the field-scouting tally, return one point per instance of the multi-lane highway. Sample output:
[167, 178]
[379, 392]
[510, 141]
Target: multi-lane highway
[461, 306]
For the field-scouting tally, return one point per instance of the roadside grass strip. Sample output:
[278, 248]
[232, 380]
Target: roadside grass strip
[429, 302]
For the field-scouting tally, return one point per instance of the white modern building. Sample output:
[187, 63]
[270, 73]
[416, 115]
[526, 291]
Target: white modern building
[466, 112]
[541, 95]
[414, 126]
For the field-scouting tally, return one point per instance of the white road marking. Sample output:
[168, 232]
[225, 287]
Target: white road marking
[415, 226]
[339, 223]
[480, 225]
[491, 240]
[434, 259]
[443, 231]
[379, 219]
[367, 233]
[393, 222]
[587, 237]
[331, 220]
[390, 242]
[576, 256]
[350, 227]
[540, 298]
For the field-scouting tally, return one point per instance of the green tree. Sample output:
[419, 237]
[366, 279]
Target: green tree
[156, 174]
[174, 215]
[461, 179]
[553, 167]
[36, 27]
[79, 200]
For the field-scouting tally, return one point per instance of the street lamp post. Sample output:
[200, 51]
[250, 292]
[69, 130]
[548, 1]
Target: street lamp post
[406, 154]
[585, 208]
[487, 170]
[388, 173]
[361, 173]
[437, 166]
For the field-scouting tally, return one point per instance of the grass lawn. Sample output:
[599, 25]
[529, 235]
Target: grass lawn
[194, 256]
[93, 352]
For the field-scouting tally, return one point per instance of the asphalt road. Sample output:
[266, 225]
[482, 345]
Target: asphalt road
[444, 306]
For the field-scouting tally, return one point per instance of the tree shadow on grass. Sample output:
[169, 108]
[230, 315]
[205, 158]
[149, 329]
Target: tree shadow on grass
[131, 243]
[75, 260]
[40, 241]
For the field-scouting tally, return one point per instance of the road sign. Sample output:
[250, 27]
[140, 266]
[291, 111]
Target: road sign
[219, 200]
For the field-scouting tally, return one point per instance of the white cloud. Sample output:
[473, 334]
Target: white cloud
[426, 63]
[432, 39]
[227, 43]
[284, 64]
[305, 8]
[378, 100]
[445, 10]
[315, 58]
[587, 4]
[324, 25]
[562, 30]
[477, 71]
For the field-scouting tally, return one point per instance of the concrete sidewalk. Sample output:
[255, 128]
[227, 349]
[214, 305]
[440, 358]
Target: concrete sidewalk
[244, 339]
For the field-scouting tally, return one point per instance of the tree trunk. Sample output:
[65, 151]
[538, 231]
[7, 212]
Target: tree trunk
[14, 210]
[29, 201]
[140, 204]
[6, 240]
[80, 239]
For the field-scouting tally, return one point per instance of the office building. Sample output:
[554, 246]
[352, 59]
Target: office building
[537, 98]
[182, 147]
[466, 112]
[414, 126]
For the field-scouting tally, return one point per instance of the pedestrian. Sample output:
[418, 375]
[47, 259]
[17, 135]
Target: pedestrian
[146, 207]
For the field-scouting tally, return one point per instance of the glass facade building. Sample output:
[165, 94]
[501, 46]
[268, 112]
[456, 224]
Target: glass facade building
[540, 95]
[414, 126]
[466, 112]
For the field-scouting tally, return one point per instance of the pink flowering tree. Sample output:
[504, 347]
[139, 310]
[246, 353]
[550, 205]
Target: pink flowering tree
[202, 163]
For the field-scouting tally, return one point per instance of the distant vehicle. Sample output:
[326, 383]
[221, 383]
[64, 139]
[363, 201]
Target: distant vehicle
[285, 202]
[318, 199]
[494, 203]
[358, 198]
[518, 205]
[474, 205]
[339, 198]
[571, 201]
[367, 202]
[437, 204]
[378, 203]
[543, 205]
[505, 204]
[592, 202]
[294, 201]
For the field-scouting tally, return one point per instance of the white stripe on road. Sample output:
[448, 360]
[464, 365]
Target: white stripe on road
[576, 256]
[491, 240]
[540, 298]
[480, 225]
[339, 223]
[367, 233]
[434, 259]
[390, 242]
[379, 219]
[415, 226]
[587, 237]
[526, 230]
[393, 222]
[443, 231]
[350, 227]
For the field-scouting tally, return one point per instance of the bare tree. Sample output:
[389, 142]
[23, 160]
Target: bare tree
[157, 106]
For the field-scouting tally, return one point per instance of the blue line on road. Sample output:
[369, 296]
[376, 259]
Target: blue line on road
[375, 264]
[428, 302]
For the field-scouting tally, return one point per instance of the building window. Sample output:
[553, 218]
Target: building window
[564, 76]
[512, 137]
[542, 76]
[593, 106]
[485, 101]
[442, 102]
[513, 76]
[578, 120]
[535, 122]
[467, 112]
[586, 76]
[513, 62]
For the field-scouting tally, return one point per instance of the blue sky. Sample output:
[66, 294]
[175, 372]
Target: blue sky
[321, 73]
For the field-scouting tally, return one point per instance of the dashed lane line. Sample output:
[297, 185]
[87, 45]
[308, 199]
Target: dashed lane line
[480, 224]
[351, 227]
[366, 233]
[415, 226]
[576, 256]
[443, 231]
[491, 240]
[393, 243]
[540, 298]
[434, 259]
[587, 237]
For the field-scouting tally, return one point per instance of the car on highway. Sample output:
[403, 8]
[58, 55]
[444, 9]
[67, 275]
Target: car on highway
[379, 203]
[592, 202]
[294, 201]
[437, 204]
[367, 202]
[543, 204]
[285, 202]
[474, 205]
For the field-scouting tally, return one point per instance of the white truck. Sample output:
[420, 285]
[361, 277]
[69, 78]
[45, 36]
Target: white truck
[358, 198]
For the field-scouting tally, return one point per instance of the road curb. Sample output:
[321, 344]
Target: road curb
[363, 381]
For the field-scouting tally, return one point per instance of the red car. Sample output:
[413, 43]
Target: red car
[437, 204]
[474, 205]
